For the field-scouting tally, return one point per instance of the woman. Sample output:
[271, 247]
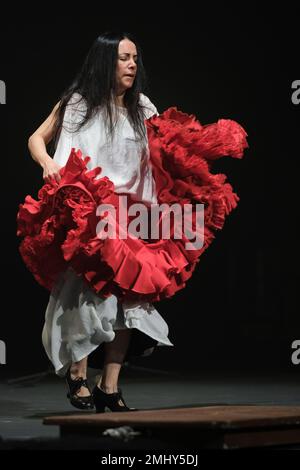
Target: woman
[103, 114]
[100, 309]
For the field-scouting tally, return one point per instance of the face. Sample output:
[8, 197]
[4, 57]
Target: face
[126, 65]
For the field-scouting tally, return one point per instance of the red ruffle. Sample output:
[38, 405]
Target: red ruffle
[59, 229]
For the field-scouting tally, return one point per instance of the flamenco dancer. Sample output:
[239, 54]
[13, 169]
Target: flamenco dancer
[109, 142]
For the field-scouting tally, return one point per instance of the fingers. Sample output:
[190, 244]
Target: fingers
[57, 177]
[51, 173]
[51, 178]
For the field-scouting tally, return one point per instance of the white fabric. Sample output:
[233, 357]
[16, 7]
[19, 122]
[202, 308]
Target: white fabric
[77, 320]
[125, 160]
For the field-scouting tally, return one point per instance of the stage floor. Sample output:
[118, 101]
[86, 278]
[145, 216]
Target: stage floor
[25, 403]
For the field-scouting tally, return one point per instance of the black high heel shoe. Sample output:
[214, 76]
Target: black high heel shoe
[113, 401]
[83, 403]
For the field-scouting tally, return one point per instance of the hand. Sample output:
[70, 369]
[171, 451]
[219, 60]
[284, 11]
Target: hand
[51, 171]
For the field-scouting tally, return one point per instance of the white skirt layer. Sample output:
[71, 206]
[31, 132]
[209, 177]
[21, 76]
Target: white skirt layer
[77, 321]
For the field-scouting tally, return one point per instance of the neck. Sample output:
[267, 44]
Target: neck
[120, 99]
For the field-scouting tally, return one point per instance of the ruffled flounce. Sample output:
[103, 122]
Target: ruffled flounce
[59, 228]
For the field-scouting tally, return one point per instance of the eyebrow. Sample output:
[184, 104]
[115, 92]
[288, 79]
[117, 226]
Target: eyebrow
[127, 53]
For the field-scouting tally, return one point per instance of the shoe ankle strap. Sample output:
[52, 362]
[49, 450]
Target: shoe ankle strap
[76, 384]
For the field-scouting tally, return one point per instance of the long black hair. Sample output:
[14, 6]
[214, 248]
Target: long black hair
[96, 82]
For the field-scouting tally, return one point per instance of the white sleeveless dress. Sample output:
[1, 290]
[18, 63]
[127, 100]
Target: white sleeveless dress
[77, 320]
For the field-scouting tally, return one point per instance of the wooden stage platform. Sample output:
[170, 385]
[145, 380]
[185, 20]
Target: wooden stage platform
[211, 427]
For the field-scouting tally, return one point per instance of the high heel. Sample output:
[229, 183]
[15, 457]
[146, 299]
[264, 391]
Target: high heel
[113, 401]
[83, 403]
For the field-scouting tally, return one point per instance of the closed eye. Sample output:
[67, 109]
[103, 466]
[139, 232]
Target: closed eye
[127, 57]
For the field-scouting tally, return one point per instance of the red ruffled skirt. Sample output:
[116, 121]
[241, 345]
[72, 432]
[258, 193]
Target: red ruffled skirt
[59, 230]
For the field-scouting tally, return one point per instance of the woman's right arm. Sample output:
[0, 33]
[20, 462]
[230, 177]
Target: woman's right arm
[37, 147]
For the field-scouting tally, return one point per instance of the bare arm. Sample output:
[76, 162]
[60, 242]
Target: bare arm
[37, 147]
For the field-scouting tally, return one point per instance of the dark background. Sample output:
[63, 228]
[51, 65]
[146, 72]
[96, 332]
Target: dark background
[240, 310]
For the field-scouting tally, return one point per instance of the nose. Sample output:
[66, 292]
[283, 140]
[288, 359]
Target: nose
[132, 63]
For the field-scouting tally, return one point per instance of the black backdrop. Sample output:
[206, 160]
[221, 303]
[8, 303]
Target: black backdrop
[240, 310]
